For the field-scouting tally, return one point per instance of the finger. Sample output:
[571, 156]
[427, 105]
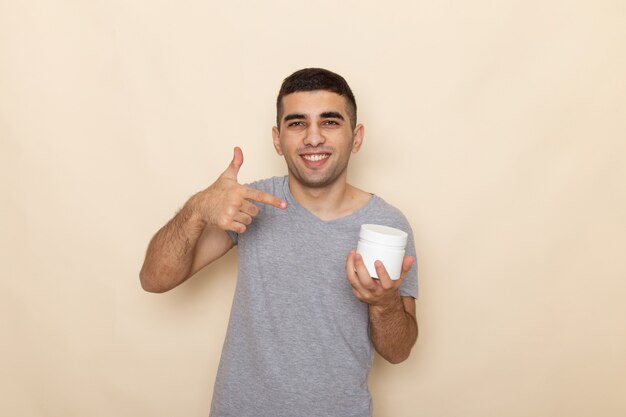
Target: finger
[385, 278]
[235, 226]
[243, 218]
[407, 263]
[249, 208]
[362, 273]
[383, 275]
[265, 198]
[351, 274]
[233, 169]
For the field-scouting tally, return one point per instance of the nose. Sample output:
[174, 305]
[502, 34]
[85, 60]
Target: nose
[314, 136]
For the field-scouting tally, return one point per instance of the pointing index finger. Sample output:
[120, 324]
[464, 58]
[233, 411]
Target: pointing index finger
[265, 198]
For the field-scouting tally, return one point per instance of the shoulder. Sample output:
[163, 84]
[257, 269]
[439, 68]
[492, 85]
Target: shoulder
[385, 207]
[389, 214]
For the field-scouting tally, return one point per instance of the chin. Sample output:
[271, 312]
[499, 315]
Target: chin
[320, 179]
[312, 182]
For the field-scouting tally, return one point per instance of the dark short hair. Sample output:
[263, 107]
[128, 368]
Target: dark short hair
[311, 79]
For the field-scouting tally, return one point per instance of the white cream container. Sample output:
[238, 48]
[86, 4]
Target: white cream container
[385, 244]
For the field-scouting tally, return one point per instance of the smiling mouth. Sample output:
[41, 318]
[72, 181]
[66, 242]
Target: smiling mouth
[316, 157]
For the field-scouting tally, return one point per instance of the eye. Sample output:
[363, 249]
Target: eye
[331, 122]
[296, 124]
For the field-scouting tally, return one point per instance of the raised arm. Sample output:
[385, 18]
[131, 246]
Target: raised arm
[393, 326]
[197, 235]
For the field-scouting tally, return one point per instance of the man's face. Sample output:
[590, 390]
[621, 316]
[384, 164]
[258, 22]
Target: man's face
[316, 137]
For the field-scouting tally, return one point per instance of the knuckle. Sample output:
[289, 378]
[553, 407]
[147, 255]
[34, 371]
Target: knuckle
[235, 202]
[223, 221]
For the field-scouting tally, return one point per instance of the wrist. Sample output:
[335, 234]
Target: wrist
[191, 213]
[390, 305]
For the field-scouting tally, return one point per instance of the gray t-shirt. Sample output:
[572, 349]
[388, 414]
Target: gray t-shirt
[298, 342]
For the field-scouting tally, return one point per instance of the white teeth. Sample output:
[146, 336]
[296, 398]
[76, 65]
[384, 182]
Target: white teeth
[315, 157]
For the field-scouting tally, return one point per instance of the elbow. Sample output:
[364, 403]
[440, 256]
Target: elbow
[150, 282]
[401, 352]
[398, 360]
[398, 357]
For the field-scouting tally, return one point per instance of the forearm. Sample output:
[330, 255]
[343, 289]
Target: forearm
[198, 234]
[393, 330]
[170, 254]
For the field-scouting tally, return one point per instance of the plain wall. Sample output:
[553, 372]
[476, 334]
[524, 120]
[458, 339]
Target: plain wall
[498, 128]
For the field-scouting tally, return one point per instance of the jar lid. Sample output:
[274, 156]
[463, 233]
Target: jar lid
[384, 235]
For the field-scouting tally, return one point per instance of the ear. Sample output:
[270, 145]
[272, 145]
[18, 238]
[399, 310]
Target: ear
[276, 138]
[357, 138]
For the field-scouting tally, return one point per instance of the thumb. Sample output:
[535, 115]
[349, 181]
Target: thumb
[233, 169]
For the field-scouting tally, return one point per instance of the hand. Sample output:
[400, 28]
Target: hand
[228, 204]
[376, 292]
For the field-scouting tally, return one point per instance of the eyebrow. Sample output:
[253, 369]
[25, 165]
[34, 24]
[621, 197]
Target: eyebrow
[324, 115]
[331, 115]
[294, 116]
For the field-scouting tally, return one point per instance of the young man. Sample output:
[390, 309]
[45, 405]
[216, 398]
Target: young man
[306, 311]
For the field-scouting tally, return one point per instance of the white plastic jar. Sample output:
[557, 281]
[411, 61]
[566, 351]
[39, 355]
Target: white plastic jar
[385, 244]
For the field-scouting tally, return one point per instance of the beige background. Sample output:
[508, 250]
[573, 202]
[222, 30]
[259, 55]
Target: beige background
[497, 127]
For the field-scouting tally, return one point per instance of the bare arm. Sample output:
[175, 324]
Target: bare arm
[181, 248]
[393, 326]
[197, 235]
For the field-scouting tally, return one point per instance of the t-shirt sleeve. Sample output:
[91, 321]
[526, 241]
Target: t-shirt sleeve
[409, 287]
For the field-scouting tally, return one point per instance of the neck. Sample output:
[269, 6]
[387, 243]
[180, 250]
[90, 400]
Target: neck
[331, 202]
